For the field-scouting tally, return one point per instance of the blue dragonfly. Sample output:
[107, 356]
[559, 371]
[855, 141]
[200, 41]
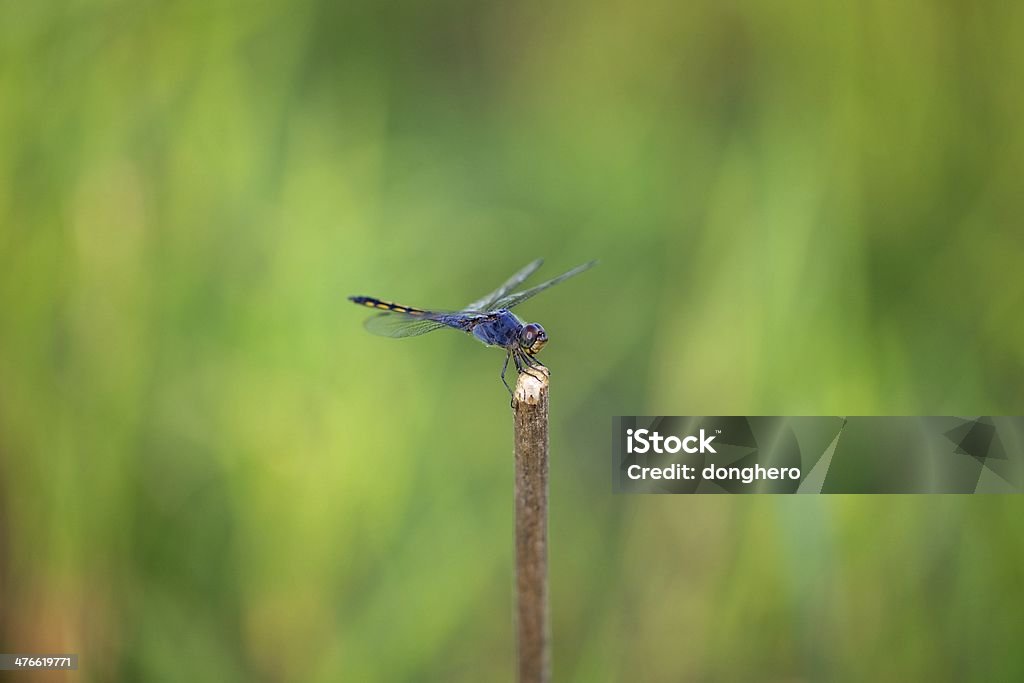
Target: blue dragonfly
[489, 319]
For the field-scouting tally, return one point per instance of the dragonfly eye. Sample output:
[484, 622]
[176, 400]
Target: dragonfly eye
[532, 337]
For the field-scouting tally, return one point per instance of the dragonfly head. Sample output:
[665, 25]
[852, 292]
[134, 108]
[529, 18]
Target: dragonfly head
[532, 338]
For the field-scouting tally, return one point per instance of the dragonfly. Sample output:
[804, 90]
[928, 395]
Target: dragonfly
[489, 319]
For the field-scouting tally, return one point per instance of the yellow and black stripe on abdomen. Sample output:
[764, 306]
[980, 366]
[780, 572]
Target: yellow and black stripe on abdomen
[370, 302]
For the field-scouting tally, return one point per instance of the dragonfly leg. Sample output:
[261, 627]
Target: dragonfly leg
[533, 362]
[504, 369]
[529, 363]
[519, 368]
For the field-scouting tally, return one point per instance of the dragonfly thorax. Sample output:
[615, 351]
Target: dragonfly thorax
[500, 328]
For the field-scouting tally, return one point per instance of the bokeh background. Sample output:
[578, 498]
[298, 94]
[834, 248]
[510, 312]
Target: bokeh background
[210, 472]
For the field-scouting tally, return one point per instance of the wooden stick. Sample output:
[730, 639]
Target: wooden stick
[530, 405]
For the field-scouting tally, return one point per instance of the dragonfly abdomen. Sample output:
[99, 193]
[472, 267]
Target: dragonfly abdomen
[370, 302]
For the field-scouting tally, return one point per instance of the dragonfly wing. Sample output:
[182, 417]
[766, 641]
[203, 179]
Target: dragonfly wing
[398, 325]
[519, 297]
[487, 302]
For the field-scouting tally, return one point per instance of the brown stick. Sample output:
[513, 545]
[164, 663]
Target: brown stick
[530, 405]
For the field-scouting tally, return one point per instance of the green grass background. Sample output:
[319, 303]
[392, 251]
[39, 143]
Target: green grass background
[210, 472]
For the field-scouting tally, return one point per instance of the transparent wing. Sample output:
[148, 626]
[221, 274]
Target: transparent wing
[398, 325]
[519, 297]
[487, 303]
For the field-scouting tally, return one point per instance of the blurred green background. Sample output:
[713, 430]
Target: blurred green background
[209, 471]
